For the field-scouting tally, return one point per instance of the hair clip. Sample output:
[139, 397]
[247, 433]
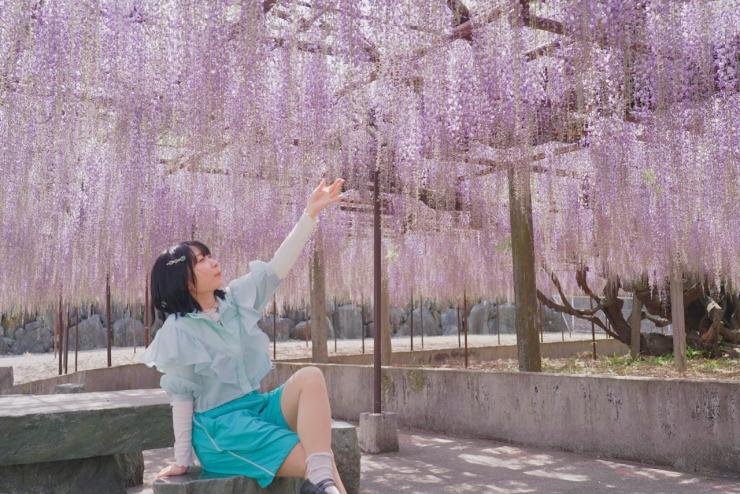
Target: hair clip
[175, 261]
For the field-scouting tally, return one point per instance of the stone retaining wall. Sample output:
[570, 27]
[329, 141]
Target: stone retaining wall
[686, 424]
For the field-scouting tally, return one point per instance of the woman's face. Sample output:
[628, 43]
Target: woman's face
[207, 273]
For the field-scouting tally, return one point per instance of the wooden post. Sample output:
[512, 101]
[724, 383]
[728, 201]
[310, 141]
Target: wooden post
[635, 316]
[522, 252]
[678, 320]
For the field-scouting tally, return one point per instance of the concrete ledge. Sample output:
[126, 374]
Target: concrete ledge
[686, 424]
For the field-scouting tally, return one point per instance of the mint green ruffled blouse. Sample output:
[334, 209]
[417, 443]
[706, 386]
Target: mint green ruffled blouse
[216, 362]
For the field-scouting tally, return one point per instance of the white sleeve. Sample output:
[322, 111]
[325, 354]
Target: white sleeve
[182, 425]
[288, 252]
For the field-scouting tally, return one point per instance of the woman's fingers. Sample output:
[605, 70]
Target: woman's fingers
[337, 186]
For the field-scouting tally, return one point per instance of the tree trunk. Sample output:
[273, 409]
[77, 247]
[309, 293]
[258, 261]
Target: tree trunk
[319, 351]
[678, 321]
[635, 321]
[522, 252]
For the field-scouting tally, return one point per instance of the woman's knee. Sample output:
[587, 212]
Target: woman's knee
[311, 374]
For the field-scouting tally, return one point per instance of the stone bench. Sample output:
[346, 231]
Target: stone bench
[346, 453]
[81, 442]
[93, 442]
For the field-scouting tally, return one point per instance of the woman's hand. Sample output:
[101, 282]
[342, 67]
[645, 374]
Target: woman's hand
[171, 471]
[323, 196]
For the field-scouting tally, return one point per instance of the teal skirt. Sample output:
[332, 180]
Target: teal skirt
[247, 436]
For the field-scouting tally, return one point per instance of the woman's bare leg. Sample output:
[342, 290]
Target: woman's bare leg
[295, 463]
[305, 406]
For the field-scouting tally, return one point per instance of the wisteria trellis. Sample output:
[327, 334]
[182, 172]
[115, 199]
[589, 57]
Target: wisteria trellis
[127, 126]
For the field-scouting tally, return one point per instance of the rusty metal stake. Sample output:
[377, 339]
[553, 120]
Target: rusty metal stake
[109, 317]
[412, 322]
[459, 344]
[147, 309]
[274, 328]
[376, 291]
[362, 315]
[77, 334]
[465, 325]
[305, 328]
[593, 329]
[66, 341]
[60, 332]
[421, 320]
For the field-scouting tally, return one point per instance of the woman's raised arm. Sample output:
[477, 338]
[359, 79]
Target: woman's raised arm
[288, 252]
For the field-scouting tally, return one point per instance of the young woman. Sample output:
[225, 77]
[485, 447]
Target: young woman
[213, 357]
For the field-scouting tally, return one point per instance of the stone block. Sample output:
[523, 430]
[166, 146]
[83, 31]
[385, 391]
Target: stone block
[347, 321]
[378, 432]
[303, 330]
[283, 326]
[68, 388]
[199, 482]
[50, 428]
[6, 377]
[111, 474]
[346, 450]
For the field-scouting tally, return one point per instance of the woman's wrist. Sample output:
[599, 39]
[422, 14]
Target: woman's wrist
[312, 213]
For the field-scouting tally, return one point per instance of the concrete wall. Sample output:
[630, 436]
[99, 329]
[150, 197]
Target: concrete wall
[689, 425]
[565, 349]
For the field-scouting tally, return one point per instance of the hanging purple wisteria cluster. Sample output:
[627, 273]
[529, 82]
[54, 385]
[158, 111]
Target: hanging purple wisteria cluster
[127, 126]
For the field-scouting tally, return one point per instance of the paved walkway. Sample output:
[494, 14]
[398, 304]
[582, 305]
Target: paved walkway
[431, 464]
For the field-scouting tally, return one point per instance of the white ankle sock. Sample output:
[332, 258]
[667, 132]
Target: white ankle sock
[319, 468]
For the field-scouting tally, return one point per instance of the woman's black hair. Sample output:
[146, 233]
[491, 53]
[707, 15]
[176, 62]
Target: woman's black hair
[170, 277]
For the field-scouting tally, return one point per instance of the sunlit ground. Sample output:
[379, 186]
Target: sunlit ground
[430, 464]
